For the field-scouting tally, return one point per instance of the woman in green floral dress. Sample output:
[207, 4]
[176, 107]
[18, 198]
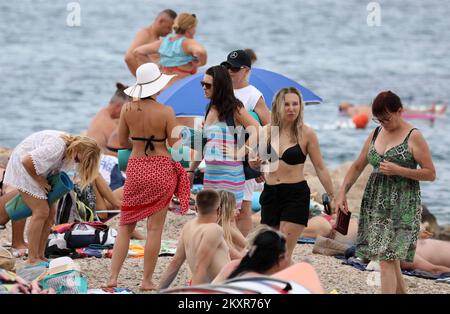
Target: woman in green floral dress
[391, 204]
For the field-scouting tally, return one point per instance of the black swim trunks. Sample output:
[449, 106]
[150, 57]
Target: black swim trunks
[285, 202]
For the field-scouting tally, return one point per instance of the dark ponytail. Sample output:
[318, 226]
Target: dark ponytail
[265, 253]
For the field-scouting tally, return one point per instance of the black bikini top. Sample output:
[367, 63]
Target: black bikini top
[149, 141]
[113, 149]
[292, 156]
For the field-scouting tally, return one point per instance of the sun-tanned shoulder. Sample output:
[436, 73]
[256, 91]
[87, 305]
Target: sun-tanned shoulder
[169, 109]
[213, 229]
[308, 131]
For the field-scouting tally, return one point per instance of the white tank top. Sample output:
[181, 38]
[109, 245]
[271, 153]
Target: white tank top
[249, 96]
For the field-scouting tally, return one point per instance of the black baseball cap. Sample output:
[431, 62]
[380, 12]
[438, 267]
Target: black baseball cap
[237, 59]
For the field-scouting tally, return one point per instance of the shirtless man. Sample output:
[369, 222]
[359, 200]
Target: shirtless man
[432, 256]
[105, 122]
[201, 243]
[161, 27]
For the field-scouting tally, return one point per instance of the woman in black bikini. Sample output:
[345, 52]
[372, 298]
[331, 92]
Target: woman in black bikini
[286, 195]
[152, 176]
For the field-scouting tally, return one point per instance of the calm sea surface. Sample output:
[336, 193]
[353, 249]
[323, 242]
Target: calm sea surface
[56, 76]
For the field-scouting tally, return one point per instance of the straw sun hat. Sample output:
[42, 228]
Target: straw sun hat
[149, 81]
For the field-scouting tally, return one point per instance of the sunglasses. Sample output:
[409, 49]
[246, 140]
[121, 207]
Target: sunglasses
[206, 85]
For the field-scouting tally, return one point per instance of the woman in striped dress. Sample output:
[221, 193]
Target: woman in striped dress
[224, 169]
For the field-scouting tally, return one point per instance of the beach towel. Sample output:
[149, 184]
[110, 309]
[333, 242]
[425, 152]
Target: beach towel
[419, 273]
[113, 290]
[355, 262]
[168, 248]
[244, 285]
[136, 249]
[306, 240]
[359, 264]
[443, 280]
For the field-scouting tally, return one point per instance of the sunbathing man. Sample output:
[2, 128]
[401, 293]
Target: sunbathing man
[201, 243]
[432, 256]
[106, 120]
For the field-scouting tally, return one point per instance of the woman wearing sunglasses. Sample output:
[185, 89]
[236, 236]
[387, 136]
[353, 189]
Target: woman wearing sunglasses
[224, 169]
[239, 64]
[391, 206]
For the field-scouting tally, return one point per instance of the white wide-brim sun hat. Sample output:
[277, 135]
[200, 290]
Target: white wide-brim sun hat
[149, 81]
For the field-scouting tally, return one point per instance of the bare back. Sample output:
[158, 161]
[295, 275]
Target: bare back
[143, 37]
[143, 119]
[435, 251]
[101, 128]
[194, 234]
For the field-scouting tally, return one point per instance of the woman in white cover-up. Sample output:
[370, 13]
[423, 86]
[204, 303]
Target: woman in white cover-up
[32, 161]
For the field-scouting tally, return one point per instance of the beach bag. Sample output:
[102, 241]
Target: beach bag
[71, 209]
[57, 246]
[65, 277]
[83, 235]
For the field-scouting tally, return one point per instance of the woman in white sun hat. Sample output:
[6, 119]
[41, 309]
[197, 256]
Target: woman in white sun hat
[152, 176]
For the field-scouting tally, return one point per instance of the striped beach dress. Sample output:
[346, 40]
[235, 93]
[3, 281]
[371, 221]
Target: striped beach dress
[221, 172]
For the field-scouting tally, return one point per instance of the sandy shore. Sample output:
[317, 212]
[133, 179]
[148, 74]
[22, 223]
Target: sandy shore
[333, 275]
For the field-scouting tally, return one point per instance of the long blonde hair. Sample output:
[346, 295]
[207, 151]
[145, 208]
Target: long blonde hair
[183, 22]
[278, 107]
[90, 157]
[226, 212]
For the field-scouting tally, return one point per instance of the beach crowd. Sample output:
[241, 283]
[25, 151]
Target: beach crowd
[247, 146]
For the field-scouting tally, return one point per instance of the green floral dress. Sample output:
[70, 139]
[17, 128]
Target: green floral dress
[390, 209]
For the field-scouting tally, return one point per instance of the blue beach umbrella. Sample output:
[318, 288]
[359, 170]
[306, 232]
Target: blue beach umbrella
[187, 99]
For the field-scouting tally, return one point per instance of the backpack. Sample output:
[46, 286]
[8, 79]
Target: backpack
[71, 209]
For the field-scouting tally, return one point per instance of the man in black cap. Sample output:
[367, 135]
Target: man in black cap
[239, 64]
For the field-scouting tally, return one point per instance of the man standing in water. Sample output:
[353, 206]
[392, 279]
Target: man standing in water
[161, 26]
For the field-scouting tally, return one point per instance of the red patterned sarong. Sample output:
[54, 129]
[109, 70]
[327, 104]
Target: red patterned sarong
[151, 182]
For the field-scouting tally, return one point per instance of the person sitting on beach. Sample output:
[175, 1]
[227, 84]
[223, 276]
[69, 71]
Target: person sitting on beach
[106, 120]
[161, 26]
[239, 65]
[285, 199]
[201, 244]
[432, 256]
[152, 176]
[180, 53]
[227, 220]
[32, 161]
[268, 256]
